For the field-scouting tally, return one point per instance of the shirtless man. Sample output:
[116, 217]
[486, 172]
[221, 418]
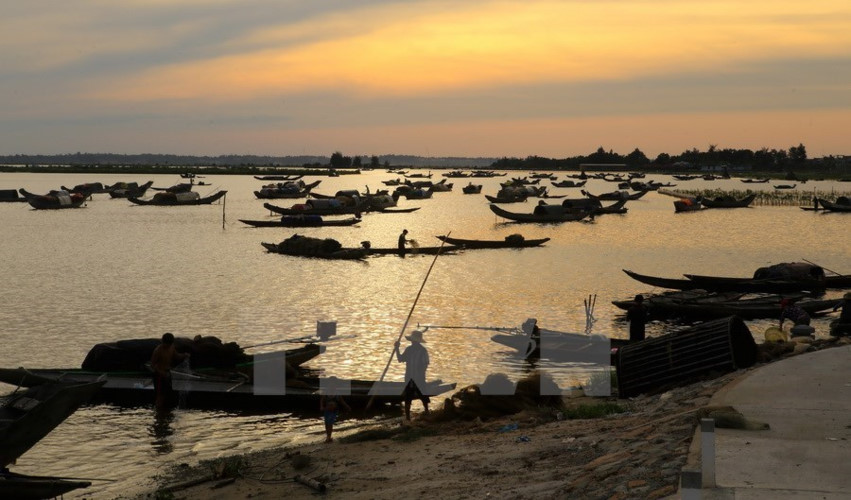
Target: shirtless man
[164, 357]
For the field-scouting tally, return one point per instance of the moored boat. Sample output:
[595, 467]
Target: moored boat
[27, 416]
[472, 188]
[168, 199]
[301, 221]
[541, 214]
[10, 196]
[728, 201]
[54, 200]
[128, 189]
[511, 241]
[842, 204]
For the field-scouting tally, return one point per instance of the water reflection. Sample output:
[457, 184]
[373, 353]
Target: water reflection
[161, 431]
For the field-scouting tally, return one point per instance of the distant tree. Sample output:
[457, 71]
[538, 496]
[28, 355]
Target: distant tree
[337, 160]
[637, 158]
[356, 162]
[373, 162]
[798, 154]
[663, 159]
[386, 163]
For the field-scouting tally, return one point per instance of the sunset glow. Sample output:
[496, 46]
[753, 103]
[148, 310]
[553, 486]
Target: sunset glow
[499, 66]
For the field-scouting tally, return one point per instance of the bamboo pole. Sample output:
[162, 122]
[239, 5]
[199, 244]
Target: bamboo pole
[410, 313]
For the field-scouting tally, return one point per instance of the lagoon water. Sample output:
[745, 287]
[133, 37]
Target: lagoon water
[113, 270]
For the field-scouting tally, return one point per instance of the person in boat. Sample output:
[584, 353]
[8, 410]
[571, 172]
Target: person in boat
[402, 241]
[842, 326]
[164, 357]
[636, 314]
[329, 405]
[416, 362]
[789, 310]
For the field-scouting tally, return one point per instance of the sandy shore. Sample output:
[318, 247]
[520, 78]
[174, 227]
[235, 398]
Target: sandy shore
[638, 453]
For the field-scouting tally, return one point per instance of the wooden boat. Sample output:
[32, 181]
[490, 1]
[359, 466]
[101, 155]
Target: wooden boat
[616, 195]
[54, 200]
[688, 205]
[842, 204]
[455, 174]
[442, 186]
[290, 189]
[472, 188]
[518, 198]
[183, 187]
[10, 196]
[392, 182]
[304, 246]
[418, 176]
[27, 416]
[673, 283]
[319, 207]
[392, 210]
[593, 206]
[569, 184]
[512, 241]
[178, 199]
[230, 392]
[486, 173]
[728, 202]
[548, 213]
[705, 305]
[418, 194]
[278, 177]
[785, 186]
[757, 285]
[128, 189]
[25, 487]
[561, 346]
[685, 177]
[756, 181]
[414, 250]
[87, 189]
[301, 221]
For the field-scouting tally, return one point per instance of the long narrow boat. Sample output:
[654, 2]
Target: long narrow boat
[673, 283]
[616, 195]
[841, 204]
[54, 200]
[300, 221]
[337, 254]
[128, 190]
[27, 416]
[742, 284]
[230, 392]
[289, 190]
[173, 199]
[416, 250]
[10, 196]
[712, 305]
[25, 487]
[769, 285]
[513, 241]
[554, 215]
[305, 209]
[756, 181]
[728, 202]
[278, 177]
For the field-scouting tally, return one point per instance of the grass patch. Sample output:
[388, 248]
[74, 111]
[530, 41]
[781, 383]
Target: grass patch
[597, 410]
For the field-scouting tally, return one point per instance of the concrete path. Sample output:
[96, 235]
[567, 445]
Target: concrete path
[806, 454]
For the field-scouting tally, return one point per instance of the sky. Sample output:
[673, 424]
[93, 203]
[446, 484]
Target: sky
[474, 78]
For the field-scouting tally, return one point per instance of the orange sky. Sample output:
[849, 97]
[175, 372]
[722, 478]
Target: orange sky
[479, 78]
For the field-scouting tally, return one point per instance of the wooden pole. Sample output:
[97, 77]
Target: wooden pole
[224, 203]
[826, 269]
[410, 313]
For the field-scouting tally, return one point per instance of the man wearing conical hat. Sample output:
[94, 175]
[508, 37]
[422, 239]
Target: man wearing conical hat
[416, 362]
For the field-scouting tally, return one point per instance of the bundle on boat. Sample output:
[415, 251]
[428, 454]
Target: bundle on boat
[132, 354]
[718, 346]
[323, 248]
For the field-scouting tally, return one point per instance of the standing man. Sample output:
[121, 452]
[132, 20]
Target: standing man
[164, 357]
[402, 241]
[637, 316]
[416, 362]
